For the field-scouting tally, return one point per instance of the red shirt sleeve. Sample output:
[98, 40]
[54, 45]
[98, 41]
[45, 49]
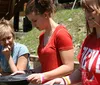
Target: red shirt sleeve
[64, 40]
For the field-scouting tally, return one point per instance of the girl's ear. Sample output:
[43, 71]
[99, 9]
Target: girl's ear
[46, 15]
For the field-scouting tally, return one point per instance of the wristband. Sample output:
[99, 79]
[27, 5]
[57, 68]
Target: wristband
[42, 78]
[67, 79]
[64, 81]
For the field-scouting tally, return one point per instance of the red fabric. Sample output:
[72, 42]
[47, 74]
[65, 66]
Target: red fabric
[89, 58]
[49, 55]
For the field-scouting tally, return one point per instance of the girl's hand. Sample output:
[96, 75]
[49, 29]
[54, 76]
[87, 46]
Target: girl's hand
[35, 78]
[55, 81]
[18, 72]
[7, 51]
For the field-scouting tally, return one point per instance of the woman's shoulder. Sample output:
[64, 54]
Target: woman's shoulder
[62, 30]
[90, 36]
[19, 45]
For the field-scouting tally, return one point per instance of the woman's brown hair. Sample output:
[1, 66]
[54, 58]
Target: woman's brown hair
[39, 7]
[95, 5]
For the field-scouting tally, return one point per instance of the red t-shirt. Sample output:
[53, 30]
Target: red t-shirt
[89, 59]
[49, 56]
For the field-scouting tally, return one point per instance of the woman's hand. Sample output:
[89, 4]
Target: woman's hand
[18, 72]
[7, 51]
[55, 81]
[35, 78]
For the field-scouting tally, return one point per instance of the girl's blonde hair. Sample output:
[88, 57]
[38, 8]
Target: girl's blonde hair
[94, 6]
[5, 27]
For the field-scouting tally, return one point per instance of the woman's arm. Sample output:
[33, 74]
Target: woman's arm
[72, 79]
[7, 52]
[22, 60]
[66, 67]
[21, 64]
[12, 64]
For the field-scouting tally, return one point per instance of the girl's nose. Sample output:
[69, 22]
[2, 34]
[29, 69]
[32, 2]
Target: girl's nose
[6, 41]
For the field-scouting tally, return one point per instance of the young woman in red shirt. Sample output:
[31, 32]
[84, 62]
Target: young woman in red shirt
[89, 56]
[55, 48]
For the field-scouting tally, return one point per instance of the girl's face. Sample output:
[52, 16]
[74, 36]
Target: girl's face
[92, 15]
[7, 40]
[92, 18]
[38, 21]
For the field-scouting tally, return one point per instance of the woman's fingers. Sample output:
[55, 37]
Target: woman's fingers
[55, 81]
[18, 72]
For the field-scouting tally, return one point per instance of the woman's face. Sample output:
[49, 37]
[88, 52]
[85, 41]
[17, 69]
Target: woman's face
[92, 15]
[7, 40]
[38, 21]
[93, 19]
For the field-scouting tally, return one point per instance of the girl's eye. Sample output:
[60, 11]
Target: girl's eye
[91, 18]
[4, 39]
[8, 38]
[34, 20]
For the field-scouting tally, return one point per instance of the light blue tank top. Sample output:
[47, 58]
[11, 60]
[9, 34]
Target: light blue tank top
[18, 50]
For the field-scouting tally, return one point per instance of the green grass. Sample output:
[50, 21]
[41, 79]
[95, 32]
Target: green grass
[76, 27]
[30, 39]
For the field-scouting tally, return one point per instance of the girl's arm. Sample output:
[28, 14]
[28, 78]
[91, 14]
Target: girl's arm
[65, 69]
[21, 64]
[72, 79]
